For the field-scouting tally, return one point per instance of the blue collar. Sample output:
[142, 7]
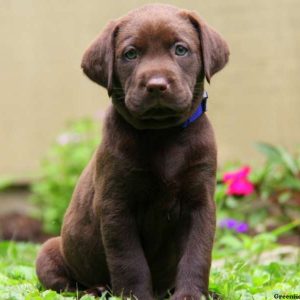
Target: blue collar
[198, 113]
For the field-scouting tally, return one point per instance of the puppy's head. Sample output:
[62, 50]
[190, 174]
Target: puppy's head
[153, 63]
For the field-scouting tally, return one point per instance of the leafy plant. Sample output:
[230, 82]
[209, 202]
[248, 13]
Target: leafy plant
[240, 269]
[279, 182]
[60, 171]
[262, 198]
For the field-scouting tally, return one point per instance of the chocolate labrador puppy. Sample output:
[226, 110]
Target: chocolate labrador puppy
[142, 217]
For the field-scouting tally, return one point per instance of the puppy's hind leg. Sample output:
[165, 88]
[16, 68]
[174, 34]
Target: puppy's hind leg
[51, 268]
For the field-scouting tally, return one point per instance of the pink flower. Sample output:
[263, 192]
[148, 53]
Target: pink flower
[238, 182]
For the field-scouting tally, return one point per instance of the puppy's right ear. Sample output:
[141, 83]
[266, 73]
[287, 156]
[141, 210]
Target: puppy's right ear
[214, 49]
[98, 60]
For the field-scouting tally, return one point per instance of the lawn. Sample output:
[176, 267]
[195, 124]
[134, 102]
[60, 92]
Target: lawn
[243, 268]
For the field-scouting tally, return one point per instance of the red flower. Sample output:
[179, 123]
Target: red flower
[238, 182]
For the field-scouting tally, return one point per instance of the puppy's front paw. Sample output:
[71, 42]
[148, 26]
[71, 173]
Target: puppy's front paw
[96, 291]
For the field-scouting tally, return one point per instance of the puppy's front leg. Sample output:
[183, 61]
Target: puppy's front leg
[194, 266]
[129, 270]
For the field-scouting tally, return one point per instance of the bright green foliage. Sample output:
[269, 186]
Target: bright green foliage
[18, 280]
[17, 276]
[61, 169]
[245, 280]
[246, 273]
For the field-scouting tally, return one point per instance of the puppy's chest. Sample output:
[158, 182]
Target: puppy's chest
[154, 191]
[160, 182]
[164, 163]
[157, 213]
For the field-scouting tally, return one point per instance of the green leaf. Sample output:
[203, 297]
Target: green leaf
[289, 182]
[21, 272]
[51, 295]
[285, 228]
[271, 152]
[232, 241]
[279, 155]
[260, 277]
[289, 161]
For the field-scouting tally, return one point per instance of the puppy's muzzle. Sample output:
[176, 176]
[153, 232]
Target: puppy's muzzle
[157, 86]
[158, 101]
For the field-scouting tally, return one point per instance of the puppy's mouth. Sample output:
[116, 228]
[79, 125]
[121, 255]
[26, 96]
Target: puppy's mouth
[161, 113]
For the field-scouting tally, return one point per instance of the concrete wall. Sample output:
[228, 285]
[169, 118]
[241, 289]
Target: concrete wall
[256, 98]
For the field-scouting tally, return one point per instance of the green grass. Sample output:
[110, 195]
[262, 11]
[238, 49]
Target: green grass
[243, 275]
[18, 280]
[242, 280]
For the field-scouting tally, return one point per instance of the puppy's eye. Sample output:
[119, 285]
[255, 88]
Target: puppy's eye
[180, 50]
[131, 54]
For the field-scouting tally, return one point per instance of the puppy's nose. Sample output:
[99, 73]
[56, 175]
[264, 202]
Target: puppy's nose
[157, 85]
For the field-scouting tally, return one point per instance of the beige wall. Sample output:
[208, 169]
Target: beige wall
[256, 98]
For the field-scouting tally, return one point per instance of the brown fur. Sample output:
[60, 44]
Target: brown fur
[142, 217]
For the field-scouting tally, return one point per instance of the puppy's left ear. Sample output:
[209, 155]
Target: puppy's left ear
[98, 60]
[214, 49]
